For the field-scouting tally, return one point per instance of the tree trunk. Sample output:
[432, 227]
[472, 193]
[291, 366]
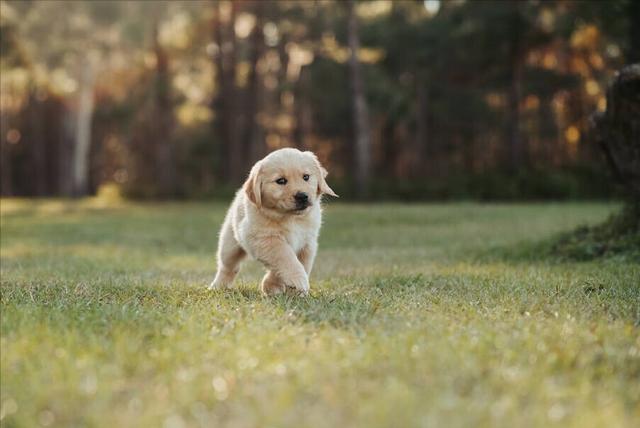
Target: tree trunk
[224, 105]
[420, 138]
[515, 142]
[6, 172]
[165, 168]
[38, 145]
[236, 159]
[283, 56]
[389, 150]
[634, 32]
[360, 109]
[66, 182]
[218, 125]
[617, 130]
[82, 134]
[301, 111]
[253, 138]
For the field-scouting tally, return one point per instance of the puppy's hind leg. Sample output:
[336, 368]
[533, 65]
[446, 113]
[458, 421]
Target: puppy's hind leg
[230, 254]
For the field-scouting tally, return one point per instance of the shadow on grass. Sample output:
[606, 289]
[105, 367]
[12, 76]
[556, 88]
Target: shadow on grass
[333, 308]
[356, 304]
[104, 305]
[349, 304]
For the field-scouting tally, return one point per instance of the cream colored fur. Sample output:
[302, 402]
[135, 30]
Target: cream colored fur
[265, 222]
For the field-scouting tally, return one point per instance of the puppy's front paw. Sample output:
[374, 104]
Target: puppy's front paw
[300, 283]
[299, 292]
[219, 282]
[271, 286]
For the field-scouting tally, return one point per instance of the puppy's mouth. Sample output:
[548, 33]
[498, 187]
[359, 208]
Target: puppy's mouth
[300, 208]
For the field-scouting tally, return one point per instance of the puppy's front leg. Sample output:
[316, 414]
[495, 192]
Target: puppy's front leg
[278, 256]
[307, 255]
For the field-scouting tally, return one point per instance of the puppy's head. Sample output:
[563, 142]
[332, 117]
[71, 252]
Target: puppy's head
[287, 181]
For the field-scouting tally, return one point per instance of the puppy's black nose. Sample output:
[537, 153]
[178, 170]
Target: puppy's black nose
[301, 197]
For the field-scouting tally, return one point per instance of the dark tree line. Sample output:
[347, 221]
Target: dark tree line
[476, 99]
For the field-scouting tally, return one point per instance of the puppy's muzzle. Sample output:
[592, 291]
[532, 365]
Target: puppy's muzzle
[302, 200]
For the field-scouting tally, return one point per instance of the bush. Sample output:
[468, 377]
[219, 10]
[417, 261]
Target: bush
[567, 184]
[619, 235]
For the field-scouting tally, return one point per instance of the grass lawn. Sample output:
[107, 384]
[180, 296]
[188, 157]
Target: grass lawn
[419, 315]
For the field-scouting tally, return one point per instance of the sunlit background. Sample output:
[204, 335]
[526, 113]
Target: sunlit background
[449, 314]
[165, 99]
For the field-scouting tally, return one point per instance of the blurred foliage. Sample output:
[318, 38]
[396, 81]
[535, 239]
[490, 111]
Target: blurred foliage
[617, 131]
[535, 184]
[451, 88]
[618, 236]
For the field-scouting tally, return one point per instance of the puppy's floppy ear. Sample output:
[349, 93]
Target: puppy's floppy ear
[252, 187]
[323, 187]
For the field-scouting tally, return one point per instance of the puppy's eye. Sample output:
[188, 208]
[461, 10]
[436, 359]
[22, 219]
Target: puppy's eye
[305, 177]
[281, 181]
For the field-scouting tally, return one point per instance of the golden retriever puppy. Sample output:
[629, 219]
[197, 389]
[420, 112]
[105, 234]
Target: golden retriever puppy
[275, 218]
